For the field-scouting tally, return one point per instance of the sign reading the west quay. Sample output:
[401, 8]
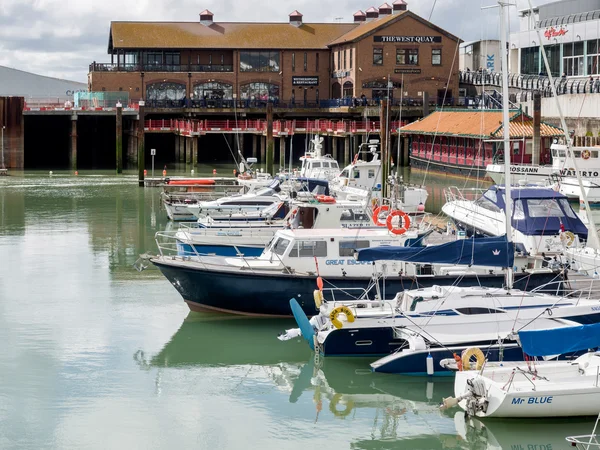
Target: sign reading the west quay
[408, 39]
[407, 71]
[305, 81]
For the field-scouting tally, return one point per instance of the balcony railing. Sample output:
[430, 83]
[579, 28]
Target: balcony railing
[127, 67]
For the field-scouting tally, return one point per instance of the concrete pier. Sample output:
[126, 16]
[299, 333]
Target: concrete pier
[195, 151]
[119, 140]
[132, 145]
[11, 117]
[73, 153]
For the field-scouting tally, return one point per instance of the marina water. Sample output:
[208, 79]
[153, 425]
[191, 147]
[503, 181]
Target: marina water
[97, 355]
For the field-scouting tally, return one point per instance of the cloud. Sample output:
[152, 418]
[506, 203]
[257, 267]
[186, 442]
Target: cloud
[61, 38]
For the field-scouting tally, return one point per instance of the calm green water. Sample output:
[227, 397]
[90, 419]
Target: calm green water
[96, 355]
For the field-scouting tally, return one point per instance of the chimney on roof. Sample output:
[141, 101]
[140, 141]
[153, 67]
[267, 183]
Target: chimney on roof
[296, 18]
[399, 5]
[385, 10]
[359, 16]
[372, 13]
[206, 18]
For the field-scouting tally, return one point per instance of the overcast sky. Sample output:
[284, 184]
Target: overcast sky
[60, 38]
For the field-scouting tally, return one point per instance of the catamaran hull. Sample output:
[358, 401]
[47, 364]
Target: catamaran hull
[247, 293]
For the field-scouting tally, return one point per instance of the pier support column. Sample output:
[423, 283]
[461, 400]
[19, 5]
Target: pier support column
[141, 144]
[334, 149]
[425, 104]
[119, 139]
[188, 150]
[281, 152]
[11, 117]
[131, 146]
[270, 142]
[346, 150]
[254, 146]
[263, 149]
[194, 151]
[181, 148]
[73, 155]
[176, 148]
[537, 120]
[405, 152]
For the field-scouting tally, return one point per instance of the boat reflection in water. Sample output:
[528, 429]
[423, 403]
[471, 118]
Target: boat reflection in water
[377, 411]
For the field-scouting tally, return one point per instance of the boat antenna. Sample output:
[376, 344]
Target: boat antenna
[593, 240]
[506, 130]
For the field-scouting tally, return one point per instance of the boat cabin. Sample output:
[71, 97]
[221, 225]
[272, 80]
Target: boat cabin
[587, 160]
[536, 210]
[346, 214]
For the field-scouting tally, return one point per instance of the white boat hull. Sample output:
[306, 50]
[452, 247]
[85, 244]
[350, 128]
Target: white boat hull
[527, 172]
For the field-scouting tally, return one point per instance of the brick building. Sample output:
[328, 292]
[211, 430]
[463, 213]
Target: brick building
[292, 63]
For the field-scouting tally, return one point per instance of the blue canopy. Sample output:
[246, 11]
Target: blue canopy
[492, 251]
[559, 341]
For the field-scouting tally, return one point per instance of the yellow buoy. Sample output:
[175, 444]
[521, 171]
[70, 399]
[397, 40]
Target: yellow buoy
[333, 316]
[318, 296]
[470, 352]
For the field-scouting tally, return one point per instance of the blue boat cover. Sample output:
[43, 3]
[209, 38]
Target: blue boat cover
[559, 341]
[490, 251]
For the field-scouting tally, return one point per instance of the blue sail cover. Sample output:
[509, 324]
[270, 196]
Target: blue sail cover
[559, 341]
[492, 251]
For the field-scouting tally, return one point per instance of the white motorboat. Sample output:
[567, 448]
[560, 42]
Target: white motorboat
[317, 165]
[536, 388]
[542, 220]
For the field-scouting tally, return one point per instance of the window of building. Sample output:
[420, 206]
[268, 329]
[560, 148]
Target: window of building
[530, 59]
[293, 61]
[259, 91]
[593, 54]
[350, 59]
[222, 59]
[263, 61]
[339, 55]
[573, 59]
[436, 57]
[378, 56]
[210, 59]
[407, 56]
[317, 62]
[305, 61]
[165, 91]
[345, 58]
[213, 91]
[153, 58]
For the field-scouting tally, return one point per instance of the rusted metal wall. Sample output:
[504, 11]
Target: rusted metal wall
[11, 117]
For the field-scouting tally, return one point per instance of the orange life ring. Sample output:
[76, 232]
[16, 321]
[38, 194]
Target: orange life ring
[586, 154]
[404, 219]
[325, 199]
[376, 213]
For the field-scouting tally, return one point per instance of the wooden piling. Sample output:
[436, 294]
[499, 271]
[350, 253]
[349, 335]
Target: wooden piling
[73, 155]
[141, 144]
[270, 143]
[119, 140]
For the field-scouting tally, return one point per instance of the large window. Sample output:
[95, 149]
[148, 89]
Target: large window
[309, 248]
[436, 57]
[305, 61]
[153, 58]
[546, 207]
[259, 91]
[165, 91]
[573, 59]
[378, 56]
[263, 61]
[530, 58]
[553, 54]
[347, 248]
[593, 53]
[213, 91]
[407, 56]
[350, 59]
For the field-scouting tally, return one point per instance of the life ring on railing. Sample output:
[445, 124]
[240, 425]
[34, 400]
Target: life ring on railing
[325, 199]
[333, 316]
[404, 220]
[567, 238]
[318, 296]
[376, 213]
[586, 154]
[470, 352]
[349, 406]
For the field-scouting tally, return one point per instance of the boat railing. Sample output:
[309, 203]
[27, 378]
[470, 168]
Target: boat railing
[362, 302]
[226, 228]
[569, 289]
[454, 193]
[586, 441]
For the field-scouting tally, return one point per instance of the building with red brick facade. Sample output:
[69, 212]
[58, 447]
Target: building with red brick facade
[292, 62]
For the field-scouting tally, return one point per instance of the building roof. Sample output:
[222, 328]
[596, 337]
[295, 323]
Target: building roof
[365, 29]
[359, 13]
[385, 6]
[29, 85]
[295, 13]
[222, 35]
[478, 124]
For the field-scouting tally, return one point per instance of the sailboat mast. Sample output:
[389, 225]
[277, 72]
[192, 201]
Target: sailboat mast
[506, 129]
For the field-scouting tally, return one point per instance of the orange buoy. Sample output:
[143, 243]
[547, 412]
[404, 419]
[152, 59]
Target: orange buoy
[320, 283]
[145, 172]
[76, 173]
[164, 172]
[195, 182]
[376, 213]
[214, 171]
[234, 172]
[325, 199]
[404, 221]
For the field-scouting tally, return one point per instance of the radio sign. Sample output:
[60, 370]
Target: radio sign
[408, 39]
[305, 81]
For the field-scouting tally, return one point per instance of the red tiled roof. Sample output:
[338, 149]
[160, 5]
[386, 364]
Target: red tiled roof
[477, 123]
